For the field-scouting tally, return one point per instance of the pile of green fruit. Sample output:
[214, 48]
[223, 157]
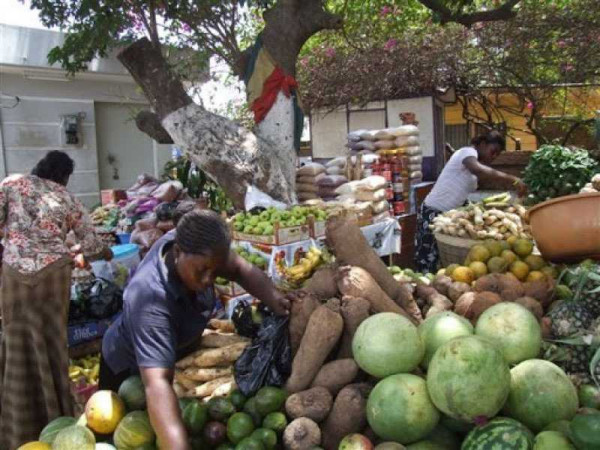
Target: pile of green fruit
[235, 422]
[554, 171]
[253, 258]
[264, 223]
[410, 276]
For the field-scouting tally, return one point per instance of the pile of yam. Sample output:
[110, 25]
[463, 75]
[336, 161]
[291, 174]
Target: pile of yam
[208, 371]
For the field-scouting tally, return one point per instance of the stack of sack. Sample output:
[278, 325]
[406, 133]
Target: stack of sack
[369, 190]
[306, 181]
[328, 184]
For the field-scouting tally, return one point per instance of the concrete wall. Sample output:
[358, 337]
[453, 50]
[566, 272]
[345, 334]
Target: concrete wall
[33, 126]
[329, 129]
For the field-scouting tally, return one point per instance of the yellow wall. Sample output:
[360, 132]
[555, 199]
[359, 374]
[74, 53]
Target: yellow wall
[587, 100]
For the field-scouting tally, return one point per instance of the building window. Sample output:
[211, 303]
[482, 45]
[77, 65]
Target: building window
[457, 135]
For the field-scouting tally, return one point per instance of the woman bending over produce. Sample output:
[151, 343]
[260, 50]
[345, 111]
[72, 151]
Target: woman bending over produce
[166, 307]
[459, 178]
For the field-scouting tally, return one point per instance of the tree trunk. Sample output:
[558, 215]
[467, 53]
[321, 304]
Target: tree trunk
[233, 156]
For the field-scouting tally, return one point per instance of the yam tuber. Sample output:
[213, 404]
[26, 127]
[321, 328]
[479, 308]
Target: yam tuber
[212, 339]
[532, 305]
[437, 302]
[207, 389]
[354, 311]
[457, 289]
[322, 284]
[300, 312]
[225, 326]
[357, 282]
[302, 434]
[348, 415]
[207, 374]
[442, 284]
[220, 356]
[334, 304]
[323, 332]
[314, 403]
[351, 248]
[335, 375]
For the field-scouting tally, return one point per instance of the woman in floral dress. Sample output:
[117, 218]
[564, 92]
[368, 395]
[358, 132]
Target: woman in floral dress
[36, 213]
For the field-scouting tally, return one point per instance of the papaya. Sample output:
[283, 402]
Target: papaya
[266, 436]
[270, 399]
[275, 421]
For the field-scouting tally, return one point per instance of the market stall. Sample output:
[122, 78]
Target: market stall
[500, 347]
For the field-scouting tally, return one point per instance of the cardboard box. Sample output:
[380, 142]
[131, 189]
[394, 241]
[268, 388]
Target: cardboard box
[317, 227]
[281, 236]
[109, 196]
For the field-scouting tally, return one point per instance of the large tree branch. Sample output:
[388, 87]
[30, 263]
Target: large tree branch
[149, 123]
[152, 73]
[503, 12]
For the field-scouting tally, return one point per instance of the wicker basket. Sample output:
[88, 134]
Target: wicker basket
[453, 250]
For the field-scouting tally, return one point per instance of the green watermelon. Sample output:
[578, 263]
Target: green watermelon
[552, 440]
[439, 329]
[74, 438]
[134, 431]
[133, 393]
[105, 446]
[426, 445]
[375, 345]
[399, 409]
[514, 329]
[501, 433]
[50, 431]
[585, 431]
[540, 393]
[468, 379]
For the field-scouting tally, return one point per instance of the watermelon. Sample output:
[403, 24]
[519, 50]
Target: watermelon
[501, 433]
[552, 440]
[105, 446]
[514, 329]
[540, 393]
[376, 347]
[133, 393]
[74, 438]
[468, 379]
[585, 431]
[444, 437]
[50, 431]
[439, 329]
[134, 431]
[426, 445]
[399, 409]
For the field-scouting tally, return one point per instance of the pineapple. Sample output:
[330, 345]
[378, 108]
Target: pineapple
[569, 318]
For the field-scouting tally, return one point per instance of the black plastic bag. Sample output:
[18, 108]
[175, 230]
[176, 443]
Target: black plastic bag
[105, 299]
[248, 318]
[79, 302]
[164, 211]
[268, 360]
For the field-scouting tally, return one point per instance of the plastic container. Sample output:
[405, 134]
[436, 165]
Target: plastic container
[123, 238]
[567, 229]
[127, 255]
